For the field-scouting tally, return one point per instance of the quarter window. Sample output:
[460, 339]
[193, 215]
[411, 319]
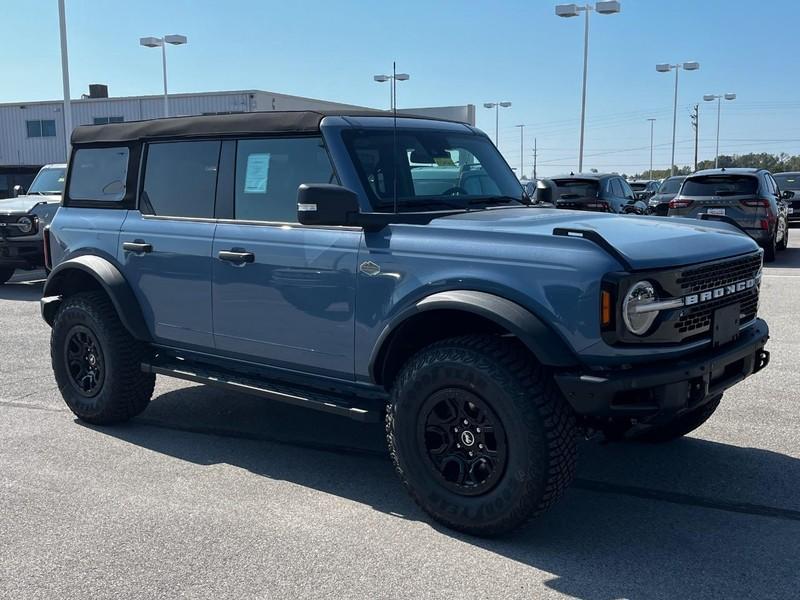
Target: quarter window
[268, 173]
[99, 174]
[41, 128]
[180, 179]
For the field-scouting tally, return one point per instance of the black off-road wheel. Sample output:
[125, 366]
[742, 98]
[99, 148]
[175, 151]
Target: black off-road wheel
[480, 435]
[6, 273]
[684, 424]
[96, 362]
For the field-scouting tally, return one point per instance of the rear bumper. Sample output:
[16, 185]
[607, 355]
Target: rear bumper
[21, 254]
[661, 391]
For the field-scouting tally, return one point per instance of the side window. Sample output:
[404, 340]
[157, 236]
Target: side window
[616, 188]
[269, 171]
[774, 185]
[99, 174]
[627, 192]
[180, 179]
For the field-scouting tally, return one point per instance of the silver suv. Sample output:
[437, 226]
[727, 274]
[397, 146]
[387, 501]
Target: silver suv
[749, 197]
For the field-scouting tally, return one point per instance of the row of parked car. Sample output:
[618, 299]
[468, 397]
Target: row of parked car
[755, 200]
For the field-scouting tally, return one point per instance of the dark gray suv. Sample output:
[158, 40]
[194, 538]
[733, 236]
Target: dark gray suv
[748, 197]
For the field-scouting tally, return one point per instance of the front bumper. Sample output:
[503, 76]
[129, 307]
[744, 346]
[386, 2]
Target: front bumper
[21, 254]
[663, 390]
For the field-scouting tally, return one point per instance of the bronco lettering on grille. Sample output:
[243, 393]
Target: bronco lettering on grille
[720, 292]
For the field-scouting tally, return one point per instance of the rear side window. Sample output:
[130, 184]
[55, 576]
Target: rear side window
[268, 173]
[720, 185]
[567, 189]
[180, 179]
[99, 174]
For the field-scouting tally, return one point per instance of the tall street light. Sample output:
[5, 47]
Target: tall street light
[718, 98]
[652, 121]
[154, 42]
[666, 68]
[521, 149]
[496, 106]
[573, 10]
[62, 21]
[393, 87]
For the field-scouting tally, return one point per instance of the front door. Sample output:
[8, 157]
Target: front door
[165, 245]
[284, 294]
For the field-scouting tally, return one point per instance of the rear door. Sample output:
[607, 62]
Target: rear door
[165, 244]
[284, 293]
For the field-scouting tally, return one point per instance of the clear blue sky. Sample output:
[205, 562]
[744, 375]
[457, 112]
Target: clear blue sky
[457, 53]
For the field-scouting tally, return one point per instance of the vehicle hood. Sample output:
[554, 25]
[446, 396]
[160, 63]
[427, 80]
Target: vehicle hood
[644, 242]
[24, 204]
[662, 198]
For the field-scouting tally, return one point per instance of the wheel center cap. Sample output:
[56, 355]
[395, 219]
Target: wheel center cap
[467, 438]
[92, 359]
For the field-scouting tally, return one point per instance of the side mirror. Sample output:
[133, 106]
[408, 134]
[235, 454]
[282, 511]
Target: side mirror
[18, 190]
[326, 204]
[787, 194]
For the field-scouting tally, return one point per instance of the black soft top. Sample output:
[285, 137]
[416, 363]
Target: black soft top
[297, 121]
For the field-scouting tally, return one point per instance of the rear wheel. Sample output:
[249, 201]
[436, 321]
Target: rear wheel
[5, 274]
[770, 248]
[96, 361]
[684, 424]
[480, 435]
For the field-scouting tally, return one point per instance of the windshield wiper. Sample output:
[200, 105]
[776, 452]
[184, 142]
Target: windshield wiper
[496, 200]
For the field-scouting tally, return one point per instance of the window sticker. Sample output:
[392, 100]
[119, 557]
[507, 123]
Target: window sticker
[257, 174]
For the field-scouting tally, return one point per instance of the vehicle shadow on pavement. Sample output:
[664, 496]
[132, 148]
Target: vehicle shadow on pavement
[641, 534]
[786, 259]
[23, 289]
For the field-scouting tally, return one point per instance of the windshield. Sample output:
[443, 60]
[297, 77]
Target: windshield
[720, 185]
[436, 170]
[49, 181]
[671, 185]
[788, 181]
[568, 189]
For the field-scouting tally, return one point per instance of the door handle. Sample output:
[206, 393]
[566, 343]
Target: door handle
[137, 247]
[237, 257]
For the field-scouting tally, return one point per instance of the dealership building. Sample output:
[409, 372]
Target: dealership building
[32, 133]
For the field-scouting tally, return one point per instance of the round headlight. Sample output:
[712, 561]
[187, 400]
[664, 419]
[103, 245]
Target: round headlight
[25, 224]
[634, 308]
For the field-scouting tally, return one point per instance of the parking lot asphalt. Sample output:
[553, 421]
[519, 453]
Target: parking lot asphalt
[210, 494]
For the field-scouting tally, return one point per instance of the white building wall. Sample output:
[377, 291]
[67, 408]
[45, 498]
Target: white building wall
[16, 148]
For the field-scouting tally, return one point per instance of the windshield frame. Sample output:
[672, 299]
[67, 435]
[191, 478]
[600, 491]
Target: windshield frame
[502, 177]
[41, 175]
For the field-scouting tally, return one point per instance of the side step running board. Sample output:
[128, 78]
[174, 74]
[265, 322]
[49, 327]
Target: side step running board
[346, 406]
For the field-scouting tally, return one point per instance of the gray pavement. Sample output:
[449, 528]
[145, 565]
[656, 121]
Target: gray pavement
[215, 495]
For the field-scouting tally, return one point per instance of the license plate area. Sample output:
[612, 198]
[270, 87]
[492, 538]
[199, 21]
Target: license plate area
[716, 211]
[725, 327]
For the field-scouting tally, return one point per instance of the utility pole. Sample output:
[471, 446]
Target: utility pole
[534, 158]
[695, 116]
[521, 150]
[652, 121]
[62, 23]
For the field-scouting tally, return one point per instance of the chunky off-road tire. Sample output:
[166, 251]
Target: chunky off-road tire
[5, 274]
[769, 249]
[684, 424]
[535, 423]
[96, 362]
[784, 243]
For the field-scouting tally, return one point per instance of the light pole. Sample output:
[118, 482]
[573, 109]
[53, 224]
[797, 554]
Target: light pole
[521, 149]
[154, 42]
[572, 10]
[718, 98]
[62, 21]
[652, 120]
[666, 68]
[393, 87]
[496, 106]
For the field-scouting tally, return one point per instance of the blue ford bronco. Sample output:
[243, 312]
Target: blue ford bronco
[391, 268]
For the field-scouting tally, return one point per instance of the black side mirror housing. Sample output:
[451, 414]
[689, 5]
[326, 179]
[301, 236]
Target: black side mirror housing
[326, 204]
[787, 194]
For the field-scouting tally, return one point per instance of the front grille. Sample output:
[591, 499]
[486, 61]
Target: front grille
[8, 227]
[696, 319]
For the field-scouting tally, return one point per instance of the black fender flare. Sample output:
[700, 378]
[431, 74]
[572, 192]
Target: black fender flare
[111, 281]
[545, 344]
